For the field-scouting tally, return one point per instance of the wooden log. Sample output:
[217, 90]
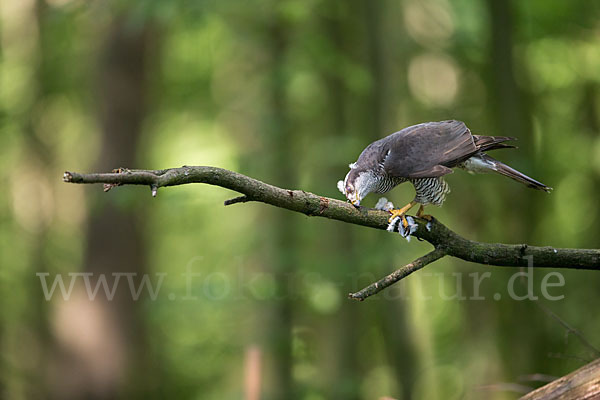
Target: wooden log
[583, 384]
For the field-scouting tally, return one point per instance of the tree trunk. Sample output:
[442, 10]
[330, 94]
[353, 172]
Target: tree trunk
[107, 356]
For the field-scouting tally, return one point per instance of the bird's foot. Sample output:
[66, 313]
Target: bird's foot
[401, 212]
[408, 226]
[398, 224]
[398, 214]
[421, 214]
[426, 217]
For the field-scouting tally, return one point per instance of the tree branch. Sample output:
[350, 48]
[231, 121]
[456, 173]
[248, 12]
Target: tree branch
[395, 276]
[445, 241]
[581, 384]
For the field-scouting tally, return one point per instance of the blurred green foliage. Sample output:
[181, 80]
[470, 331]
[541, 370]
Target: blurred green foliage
[290, 92]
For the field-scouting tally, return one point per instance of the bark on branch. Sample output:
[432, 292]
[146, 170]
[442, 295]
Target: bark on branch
[444, 240]
[401, 273]
[581, 384]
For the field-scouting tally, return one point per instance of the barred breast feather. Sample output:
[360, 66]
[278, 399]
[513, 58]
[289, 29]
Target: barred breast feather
[430, 190]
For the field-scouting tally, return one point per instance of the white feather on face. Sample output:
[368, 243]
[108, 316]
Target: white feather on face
[365, 184]
[361, 184]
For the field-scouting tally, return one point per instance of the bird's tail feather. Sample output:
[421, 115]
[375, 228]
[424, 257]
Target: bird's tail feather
[484, 161]
[493, 142]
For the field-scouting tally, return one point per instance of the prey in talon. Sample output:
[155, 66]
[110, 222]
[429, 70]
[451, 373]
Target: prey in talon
[422, 155]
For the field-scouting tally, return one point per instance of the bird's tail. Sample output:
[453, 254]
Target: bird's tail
[482, 162]
[485, 143]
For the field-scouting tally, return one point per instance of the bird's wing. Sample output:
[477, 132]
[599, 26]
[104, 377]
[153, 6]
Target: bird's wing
[436, 170]
[426, 150]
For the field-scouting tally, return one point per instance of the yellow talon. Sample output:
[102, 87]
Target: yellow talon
[402, 217]
[424, 216]
[401, 213]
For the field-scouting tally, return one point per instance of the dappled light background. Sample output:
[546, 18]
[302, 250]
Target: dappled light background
[249, 301]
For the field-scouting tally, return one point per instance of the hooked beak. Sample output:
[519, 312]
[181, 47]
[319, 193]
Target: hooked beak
[354, 201]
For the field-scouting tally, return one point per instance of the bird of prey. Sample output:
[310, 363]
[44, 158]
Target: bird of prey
[422, 154]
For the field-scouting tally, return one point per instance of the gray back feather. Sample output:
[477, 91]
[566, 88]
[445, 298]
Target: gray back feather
[421, 151]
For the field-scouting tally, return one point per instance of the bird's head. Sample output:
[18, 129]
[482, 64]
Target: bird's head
[358, 183]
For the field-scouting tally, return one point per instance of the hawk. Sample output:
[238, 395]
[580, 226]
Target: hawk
[422, 154]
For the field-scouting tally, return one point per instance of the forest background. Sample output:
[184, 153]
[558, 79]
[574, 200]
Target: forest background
[252, 299]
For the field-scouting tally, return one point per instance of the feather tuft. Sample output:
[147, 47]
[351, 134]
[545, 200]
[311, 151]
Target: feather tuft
[340, 186]
[392, 225]
[384, 205]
